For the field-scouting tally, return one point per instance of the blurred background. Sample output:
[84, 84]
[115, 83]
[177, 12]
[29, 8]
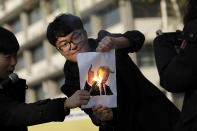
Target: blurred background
[42, 65]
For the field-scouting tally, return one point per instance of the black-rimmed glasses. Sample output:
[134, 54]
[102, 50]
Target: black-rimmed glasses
[76, 38]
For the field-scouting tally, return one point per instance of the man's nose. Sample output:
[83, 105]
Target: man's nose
[13, 61]
[73, 46]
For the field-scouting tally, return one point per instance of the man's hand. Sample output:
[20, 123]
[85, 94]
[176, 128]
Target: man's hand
[90, 75]
[102, 113]
[80, 97]
[108, 43]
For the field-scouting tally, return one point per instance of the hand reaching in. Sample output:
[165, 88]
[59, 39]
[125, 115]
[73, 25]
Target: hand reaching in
[102, 113]
[80, 97]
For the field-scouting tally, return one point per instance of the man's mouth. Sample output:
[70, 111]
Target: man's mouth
[77, 50]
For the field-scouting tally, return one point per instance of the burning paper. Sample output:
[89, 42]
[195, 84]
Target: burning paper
[98, 76]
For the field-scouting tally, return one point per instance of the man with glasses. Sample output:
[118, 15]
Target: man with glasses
[72, 44]
[76, 38]
[140, 105]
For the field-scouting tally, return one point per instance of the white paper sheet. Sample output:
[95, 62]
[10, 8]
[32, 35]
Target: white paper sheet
[98, 60]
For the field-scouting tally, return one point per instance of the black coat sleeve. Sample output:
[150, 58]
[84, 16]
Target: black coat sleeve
[177, 70]
[15, 113]
[181, 74]
[164, 52]
[135, 38]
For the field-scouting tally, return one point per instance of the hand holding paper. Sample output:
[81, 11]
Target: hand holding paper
[102, 113]
[108, 43]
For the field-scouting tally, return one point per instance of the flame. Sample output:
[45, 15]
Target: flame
[99, 78]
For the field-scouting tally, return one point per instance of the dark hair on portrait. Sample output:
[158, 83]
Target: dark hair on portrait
[8, 42]
[190, 11]
[62, 26]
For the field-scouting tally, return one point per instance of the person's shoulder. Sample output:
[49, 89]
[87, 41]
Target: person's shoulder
[21, 83]
[22, 80]
[163, 39]
[194, 21]
[190, 27]
[158, 38]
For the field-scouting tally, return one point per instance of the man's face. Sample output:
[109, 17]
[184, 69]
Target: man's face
[105, 76]
[7, 64]
[72, 44]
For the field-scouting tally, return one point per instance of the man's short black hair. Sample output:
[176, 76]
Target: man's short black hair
[8, 42]
[62, 26]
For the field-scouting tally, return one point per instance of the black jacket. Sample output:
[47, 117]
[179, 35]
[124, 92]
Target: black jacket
[16, 115]
[140, 105]
[178, 73]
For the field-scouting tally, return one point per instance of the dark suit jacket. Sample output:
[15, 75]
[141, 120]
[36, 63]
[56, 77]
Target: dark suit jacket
[96, 91]
[178, 73]
[16, 115]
